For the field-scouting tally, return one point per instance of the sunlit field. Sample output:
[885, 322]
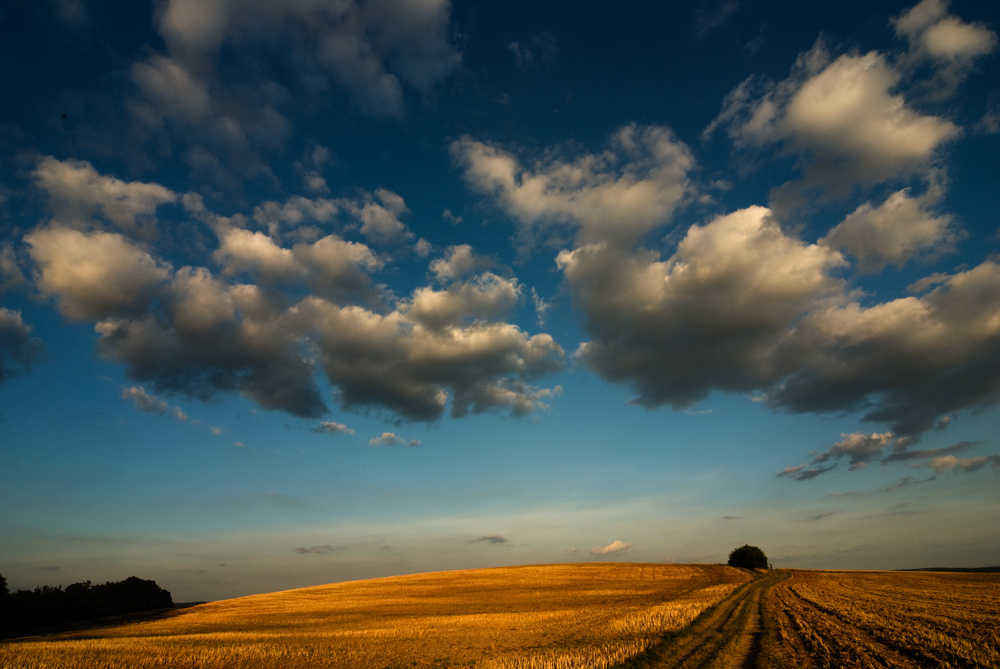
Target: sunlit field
[553, 616]
[897, 619]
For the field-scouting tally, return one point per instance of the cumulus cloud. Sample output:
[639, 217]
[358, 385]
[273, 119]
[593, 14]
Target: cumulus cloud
[710, 317]
[94, 275]
[298, 218]
[844, 118]
[899, 230]
[77, 193]
[390, 439]
[743, 307]
[616, 546]
[906, 361]
[331, 427]
[209, 337]
[245, 251]
[327, 263]
[949, 43]
[379, 217]
[459, 261]
[143, 400]
[283, 306]
[16, 343]
[616, 196]
[396, 361]
[487, 296]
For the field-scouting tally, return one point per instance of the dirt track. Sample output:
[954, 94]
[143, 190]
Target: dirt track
[729, 638]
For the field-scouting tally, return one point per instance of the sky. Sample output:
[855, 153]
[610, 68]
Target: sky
[301, 292]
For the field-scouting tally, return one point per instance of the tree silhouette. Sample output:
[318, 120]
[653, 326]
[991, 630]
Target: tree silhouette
[48, 605]
[748, 557]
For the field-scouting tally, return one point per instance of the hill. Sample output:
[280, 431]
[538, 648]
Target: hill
[591, 614]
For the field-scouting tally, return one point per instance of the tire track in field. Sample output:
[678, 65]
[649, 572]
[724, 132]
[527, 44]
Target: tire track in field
[726, 639]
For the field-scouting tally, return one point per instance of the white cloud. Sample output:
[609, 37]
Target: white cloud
[486, 296]
[459, 262]
[77, 192]
[616, 546]
[390, 439]
[897, 231]
[845, 119]
[616, 196]
[245, 251]
[337, 266]
[935, 33]
[380, 220]
[94, 275]
[143, 400]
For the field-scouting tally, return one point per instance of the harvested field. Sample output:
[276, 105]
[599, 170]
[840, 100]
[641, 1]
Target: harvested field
[879, 619]
[565, 616]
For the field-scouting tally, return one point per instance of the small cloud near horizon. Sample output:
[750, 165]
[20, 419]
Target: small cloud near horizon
[325, 548]
[490, 539]
[616, 546]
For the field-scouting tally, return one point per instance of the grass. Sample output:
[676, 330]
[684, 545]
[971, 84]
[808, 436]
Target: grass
[540, 617]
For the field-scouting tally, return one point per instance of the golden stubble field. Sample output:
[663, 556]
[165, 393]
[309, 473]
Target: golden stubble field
[884, 619]
[551, 616]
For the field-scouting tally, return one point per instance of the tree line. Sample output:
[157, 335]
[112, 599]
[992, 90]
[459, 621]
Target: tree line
[54, 605]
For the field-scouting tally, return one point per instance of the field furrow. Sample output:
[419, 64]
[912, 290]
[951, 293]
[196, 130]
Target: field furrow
[830, 619]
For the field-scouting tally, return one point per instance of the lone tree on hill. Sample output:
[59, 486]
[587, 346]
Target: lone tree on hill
[748, 557]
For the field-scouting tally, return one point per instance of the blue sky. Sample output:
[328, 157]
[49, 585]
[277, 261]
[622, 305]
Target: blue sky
[295, 293]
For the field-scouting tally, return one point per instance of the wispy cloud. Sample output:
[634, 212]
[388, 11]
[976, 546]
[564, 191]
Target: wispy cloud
[928, 452]
[325, 548]
[330, 427]
[947, 463]
[490, 539]
[800, 473]
[143, 400]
